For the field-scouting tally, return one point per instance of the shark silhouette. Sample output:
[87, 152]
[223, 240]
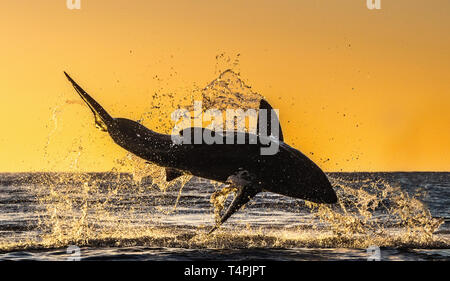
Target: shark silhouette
[242, 166]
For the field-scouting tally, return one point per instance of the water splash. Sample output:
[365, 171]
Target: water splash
[229, 91]
[54, 119]
[377, 213]
[111, 210]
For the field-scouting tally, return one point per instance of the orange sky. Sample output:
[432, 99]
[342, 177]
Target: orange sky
[367, 89]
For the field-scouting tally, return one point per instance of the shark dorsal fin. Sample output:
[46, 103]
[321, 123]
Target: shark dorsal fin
[172, 174]
[263, 104]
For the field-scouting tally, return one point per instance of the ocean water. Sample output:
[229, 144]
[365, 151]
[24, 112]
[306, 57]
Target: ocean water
[112, 216]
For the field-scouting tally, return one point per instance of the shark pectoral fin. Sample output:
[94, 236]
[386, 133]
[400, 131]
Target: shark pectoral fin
[172, 174]
[244, 194]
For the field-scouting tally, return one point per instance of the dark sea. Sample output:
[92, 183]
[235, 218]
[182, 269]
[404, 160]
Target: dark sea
[112, 216]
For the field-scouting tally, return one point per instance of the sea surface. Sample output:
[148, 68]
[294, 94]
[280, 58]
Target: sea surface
[112, 216]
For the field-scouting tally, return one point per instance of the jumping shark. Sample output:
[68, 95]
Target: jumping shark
[242, 166]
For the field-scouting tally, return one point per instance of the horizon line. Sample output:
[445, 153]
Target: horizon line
[129, 172]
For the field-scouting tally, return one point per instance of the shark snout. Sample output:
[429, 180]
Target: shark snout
[324, 191]
[330, 196]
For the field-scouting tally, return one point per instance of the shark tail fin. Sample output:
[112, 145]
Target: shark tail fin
[102, 118]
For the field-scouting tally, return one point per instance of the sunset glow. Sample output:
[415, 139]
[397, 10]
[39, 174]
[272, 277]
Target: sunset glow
[357, 89]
